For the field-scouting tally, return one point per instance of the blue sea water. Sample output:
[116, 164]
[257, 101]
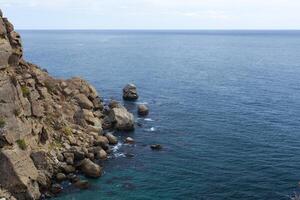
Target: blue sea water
[225, 105]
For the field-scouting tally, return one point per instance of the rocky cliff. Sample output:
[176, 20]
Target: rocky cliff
[49, 128]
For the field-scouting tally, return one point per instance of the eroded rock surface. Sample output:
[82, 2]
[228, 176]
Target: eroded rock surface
[49, 128]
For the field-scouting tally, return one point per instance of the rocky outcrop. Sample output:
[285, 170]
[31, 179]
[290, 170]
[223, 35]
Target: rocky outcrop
[130, 92]
[49, 128]
[18, 174]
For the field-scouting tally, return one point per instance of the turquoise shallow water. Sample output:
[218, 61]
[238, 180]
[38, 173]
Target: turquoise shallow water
[224, 104]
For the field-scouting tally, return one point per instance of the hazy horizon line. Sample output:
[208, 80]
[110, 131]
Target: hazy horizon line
[158, 29]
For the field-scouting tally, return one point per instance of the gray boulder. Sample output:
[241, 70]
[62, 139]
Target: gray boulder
[130, 92]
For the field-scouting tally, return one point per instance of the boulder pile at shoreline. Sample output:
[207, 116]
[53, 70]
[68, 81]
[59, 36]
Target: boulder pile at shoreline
[50, 129]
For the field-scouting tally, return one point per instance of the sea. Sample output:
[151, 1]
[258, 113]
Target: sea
[224, 104]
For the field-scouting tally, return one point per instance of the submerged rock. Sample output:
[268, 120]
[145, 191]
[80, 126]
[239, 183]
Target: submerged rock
[130, 92]
[143, 110]
[82, 184]
[56, 188]
[156, 147]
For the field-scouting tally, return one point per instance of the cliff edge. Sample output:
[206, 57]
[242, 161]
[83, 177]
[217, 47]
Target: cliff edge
[50, 129]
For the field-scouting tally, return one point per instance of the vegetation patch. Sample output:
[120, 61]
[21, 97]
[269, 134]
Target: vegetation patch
[67, 130]
[25, 91]
[22, 144]
[2, 122]
[50, 86]
[55, 144]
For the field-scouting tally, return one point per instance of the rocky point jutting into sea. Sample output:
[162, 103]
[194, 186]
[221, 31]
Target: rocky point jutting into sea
[50, 129]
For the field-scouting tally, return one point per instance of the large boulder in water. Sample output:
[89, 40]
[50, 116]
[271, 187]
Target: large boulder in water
[90, 169]
[130, 92]
[122, 119]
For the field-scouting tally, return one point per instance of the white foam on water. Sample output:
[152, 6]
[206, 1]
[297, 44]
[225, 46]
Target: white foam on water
[117, 147]
[152, 129]
[149, 119]
[146, 103]
[117, 155]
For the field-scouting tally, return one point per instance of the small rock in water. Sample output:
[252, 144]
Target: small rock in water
[60, 177]
[143, 110]
[82, 184]
[129, 155]
[156, 147]
[72, 178]
[130, 92]
[129, 140]
[111, 138]
[56, 188]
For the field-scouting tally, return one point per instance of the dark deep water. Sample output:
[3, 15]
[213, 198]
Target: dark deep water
[224, 104]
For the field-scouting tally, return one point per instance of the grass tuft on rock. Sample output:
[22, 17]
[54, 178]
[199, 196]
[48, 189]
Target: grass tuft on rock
[2, 122]
[50, 86]
[22, 144]
[67, 130]
[25, 91]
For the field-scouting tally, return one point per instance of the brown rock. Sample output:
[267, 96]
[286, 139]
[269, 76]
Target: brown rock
[111, 138]
[143, 110]
[68, 168]
[122, 119]
[61, 177]
[129, 140]
[18, 171]
[82, 184]
[84, 102]
[101, 154]
[9, 26]
[90, 169]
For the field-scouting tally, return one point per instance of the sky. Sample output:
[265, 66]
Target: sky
[153, 14]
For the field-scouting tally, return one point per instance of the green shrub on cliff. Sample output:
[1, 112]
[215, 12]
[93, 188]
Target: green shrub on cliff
[25, 91]
[22, 144]
[50, 86]
[2, 122]
[67, 130]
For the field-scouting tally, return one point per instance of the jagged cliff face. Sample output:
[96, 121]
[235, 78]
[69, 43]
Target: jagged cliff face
[10, 44]
[47, 126]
